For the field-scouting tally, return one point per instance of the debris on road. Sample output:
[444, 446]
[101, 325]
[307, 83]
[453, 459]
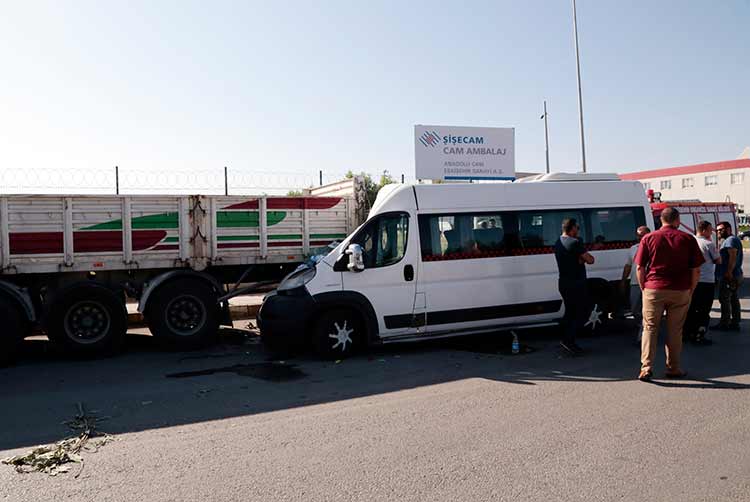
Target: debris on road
[54, 459]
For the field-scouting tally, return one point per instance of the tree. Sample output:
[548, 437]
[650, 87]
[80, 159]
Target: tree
[372, 188]
[294, 193]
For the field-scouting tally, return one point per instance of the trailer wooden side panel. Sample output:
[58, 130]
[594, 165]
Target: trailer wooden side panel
[50, 233]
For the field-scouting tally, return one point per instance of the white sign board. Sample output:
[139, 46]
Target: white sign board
[464, 153]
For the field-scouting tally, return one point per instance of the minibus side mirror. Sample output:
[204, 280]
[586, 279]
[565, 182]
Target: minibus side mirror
[356, 263]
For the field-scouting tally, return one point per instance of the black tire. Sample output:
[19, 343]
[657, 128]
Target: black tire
[88, 320]
[183, 314]
[342, 322]
[13, 330]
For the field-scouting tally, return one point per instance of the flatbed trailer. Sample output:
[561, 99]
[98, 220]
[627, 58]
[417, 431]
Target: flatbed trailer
[68, 262]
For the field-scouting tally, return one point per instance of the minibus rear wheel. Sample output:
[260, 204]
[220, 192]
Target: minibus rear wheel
[338, 333]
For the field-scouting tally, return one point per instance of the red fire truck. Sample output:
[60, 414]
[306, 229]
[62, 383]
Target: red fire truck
[692, 212]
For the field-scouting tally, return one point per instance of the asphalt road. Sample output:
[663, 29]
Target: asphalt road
[434, 421]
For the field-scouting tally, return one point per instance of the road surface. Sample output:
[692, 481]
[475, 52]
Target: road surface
[458, 420]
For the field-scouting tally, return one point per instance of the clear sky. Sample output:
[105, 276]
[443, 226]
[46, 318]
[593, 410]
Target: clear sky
[338, 85]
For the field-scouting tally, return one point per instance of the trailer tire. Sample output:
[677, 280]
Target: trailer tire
[88, 320]
[184, 314]
[338, 333]
[13, 330]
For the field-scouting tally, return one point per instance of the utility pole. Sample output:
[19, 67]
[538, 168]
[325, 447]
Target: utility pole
[546, 135]
[580, 99]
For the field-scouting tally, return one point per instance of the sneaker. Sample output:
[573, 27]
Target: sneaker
[675, 375]
[702, 341]
[571, 348]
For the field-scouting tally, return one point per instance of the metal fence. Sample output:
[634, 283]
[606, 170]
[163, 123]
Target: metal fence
[119, 180]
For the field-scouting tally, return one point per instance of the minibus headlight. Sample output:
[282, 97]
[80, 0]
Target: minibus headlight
[297, 279]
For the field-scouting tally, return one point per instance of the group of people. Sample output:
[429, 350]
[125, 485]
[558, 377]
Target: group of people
[670, 272]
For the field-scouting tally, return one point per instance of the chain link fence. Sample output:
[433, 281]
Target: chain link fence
[119, 180]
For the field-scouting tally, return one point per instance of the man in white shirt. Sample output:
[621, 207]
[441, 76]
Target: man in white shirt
[699, 313]
[629, 272]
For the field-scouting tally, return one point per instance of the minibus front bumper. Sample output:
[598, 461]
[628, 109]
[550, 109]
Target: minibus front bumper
[284, 317]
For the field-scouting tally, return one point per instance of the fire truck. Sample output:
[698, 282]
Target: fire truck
[693, 212]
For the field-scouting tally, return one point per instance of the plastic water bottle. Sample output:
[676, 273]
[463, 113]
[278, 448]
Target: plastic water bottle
[516, 348]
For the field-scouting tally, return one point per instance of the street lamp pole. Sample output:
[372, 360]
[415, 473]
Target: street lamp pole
[580, 99]
[546, 135]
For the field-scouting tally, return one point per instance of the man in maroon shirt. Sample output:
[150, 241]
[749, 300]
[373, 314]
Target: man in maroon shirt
[668, 262]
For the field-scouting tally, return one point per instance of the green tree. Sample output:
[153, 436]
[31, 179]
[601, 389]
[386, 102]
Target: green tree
[372, 188]
[294, 193]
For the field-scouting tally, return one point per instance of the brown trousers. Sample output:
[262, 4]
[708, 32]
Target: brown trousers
[655, 302]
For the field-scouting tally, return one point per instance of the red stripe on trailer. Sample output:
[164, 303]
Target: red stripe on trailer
[323, 243]
[290, 203]
[100, 242]
[83, 242]
[231, 245]
[36, 243]
[290, 244]
[166, 247]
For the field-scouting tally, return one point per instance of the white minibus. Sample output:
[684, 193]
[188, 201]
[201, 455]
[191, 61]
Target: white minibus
[437, 260]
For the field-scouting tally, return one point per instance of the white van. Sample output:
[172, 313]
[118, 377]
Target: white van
[451, 259]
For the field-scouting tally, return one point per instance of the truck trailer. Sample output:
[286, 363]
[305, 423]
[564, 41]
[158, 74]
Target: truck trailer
[68, 263]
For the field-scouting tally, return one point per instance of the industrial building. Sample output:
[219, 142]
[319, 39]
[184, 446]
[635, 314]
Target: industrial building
[725, 181]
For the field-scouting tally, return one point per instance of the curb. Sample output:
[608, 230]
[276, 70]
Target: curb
[237, 312]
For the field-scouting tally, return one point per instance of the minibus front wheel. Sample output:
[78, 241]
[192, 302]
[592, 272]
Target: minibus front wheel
[338, 333]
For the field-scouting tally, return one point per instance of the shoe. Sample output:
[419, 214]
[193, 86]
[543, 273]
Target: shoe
[579, 350]
[571, 348]
[675, 375]
[721, 327]
[733, 327]
[702, 341]
[645, 376]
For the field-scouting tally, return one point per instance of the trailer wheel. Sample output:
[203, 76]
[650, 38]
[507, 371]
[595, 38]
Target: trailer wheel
[13, 330]
[88, 320]
[338, 333]
[184, 314]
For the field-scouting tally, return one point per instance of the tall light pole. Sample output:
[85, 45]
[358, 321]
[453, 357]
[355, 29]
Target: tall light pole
[580, 99]
[546, 135]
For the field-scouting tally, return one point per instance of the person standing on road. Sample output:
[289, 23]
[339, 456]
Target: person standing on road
[668, 266]
[629, 271]
[699, 312]
[729, 273]
[572, 259]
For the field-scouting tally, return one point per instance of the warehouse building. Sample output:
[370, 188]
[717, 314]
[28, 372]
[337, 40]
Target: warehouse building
[725, 181]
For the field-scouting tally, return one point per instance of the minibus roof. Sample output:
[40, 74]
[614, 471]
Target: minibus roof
[448, 196]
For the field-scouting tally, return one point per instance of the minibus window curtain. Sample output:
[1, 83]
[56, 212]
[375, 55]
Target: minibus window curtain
[513, 233]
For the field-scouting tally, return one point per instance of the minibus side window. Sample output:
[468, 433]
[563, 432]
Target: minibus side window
[540, 229]
[615, 227]
[383, 240]
[465, 235]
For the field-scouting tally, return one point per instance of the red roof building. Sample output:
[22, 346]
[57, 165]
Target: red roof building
[724, 181]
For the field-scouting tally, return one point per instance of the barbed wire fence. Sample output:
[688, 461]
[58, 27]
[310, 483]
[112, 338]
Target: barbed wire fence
[125, 181]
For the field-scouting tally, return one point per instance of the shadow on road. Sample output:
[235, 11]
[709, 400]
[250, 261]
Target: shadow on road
[145, 388]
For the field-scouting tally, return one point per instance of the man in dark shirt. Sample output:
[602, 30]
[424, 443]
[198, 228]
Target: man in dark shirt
[729, 273]
[668, 262]
[571, 259]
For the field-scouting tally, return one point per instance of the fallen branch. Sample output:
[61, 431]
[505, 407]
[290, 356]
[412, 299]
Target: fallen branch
[54, 459]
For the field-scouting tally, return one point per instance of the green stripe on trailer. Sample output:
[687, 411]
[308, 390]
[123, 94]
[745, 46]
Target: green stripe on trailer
[247, 219]
[159, 221]
[327, 236]
[224, 219]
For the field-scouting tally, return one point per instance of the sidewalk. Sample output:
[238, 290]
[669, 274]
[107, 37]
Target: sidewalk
[240, 308]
